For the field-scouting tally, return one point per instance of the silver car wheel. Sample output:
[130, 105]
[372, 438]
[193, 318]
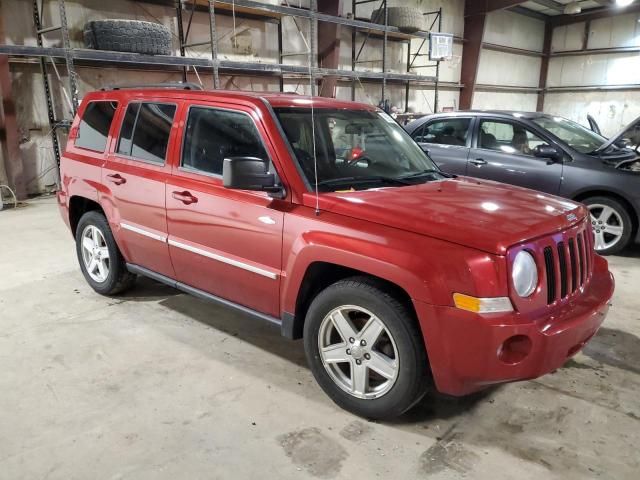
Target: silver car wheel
[607, 226]
[95, 253]
[358, 352]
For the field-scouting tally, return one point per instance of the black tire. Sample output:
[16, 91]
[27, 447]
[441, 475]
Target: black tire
[407, 19]
[128, 36]
[625, 219]
[413, 377]
[119, 278]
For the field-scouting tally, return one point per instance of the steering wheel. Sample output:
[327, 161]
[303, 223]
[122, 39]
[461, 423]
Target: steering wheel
[356, 155]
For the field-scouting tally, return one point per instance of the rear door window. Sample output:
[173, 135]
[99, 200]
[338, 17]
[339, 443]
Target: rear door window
[145, 131]
[448, 131]
[94, 126]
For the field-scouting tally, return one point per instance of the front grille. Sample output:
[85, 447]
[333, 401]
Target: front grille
[567, 262]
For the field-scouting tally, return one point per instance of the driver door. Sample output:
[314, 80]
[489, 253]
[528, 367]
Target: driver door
[503, 151]
[225, 242]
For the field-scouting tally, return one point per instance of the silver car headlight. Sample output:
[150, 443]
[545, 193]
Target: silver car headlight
[524, 274]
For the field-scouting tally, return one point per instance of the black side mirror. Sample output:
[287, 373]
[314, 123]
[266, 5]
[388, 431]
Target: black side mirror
[547, 151]
[248, 173]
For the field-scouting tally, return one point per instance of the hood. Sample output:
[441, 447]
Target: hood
[629, 135]
[485, 215]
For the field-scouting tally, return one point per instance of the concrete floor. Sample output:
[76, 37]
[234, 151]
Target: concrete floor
[158, 385]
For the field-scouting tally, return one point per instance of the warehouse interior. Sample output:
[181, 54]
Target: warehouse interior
[156, 383]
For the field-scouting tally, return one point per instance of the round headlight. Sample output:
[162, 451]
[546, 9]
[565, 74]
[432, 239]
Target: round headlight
[524, 274]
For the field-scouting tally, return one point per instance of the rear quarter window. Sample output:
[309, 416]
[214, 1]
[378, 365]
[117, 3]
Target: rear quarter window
[94, 126]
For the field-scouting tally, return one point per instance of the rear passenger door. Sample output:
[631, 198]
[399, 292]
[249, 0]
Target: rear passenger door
[447, 142]
[134, 177]
[225, 242]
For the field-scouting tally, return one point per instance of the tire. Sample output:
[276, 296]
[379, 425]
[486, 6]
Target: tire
[616, 216]
[407, 19]
[128, 36]
[401, 342]
[118, 278]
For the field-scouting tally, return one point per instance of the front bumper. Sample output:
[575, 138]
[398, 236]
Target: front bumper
[467, 350]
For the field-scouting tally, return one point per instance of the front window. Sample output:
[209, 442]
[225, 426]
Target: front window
[355, 149]
[507, 137]
[576, 136]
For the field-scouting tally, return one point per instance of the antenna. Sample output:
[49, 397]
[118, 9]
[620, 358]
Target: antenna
[313, 120]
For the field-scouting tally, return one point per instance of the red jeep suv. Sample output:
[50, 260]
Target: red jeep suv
[324, 218]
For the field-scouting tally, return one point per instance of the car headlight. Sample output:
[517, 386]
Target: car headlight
[524, 273]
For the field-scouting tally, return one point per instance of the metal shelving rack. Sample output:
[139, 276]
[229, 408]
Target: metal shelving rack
[72, 57]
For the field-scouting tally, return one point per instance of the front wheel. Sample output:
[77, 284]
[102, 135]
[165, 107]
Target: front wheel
[365, 350]
[611, 224]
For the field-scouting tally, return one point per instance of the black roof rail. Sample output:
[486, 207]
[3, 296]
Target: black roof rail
[180, 85]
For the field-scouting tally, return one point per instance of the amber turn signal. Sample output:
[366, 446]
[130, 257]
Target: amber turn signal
[482, 305]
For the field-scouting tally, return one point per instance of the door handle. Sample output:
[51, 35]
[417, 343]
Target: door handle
[478, 162]
[116, 178]
[185, 197]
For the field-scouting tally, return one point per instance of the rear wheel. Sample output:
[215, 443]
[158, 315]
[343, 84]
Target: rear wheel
[365, 350]
[611, 224]
[100, 259]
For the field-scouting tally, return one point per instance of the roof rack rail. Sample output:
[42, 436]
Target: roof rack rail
[181, 85]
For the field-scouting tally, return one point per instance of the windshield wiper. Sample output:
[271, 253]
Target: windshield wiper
[361, 180]
[425, 173]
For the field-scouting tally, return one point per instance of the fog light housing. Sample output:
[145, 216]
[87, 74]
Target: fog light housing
[515, 349]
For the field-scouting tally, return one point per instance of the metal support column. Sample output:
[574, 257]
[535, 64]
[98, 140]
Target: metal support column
[280, 57]
[181, 38]
[384, 51]
[37, 21]
[214, 44]
[313, 42]
[68, 56]
[436, 95]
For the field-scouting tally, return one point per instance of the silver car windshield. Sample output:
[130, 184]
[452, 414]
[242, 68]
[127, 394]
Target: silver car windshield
[357, 149]
[573, 134]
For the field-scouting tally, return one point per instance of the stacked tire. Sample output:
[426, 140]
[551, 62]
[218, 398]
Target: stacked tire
[407, 19]
[133, 36]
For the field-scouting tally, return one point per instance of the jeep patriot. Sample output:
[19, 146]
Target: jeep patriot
[397, 276]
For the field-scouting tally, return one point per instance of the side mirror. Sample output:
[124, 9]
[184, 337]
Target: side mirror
[547, 151]
[248, 173]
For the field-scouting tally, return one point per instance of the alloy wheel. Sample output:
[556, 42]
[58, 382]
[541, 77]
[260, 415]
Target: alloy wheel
[95, 253]
[358, 352]
[607, 226]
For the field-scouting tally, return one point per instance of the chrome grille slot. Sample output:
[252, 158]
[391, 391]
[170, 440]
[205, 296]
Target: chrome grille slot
[550, 267]
[562, 259]
[581, 258]
[574, 265]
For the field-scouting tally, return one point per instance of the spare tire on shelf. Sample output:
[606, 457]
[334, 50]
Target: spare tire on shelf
[407, 19]
[133, 36]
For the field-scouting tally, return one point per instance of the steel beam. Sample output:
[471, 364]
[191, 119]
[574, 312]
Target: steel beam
[544, 65]
[474, 24]
[479, 7]
[593, 14]
[329, 45]
[9, 135]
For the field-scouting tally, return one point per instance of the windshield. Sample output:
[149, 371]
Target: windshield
[356, 149]
[576, 136]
